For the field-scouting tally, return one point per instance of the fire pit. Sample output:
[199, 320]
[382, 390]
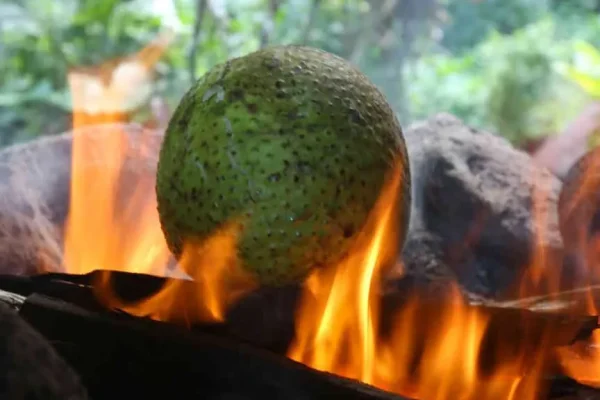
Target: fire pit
[485, 301]
[143, 357]
[107, 324]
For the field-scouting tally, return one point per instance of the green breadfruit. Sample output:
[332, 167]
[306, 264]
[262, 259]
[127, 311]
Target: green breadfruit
[295, 140]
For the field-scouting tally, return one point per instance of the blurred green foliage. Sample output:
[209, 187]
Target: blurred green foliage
[584, 69]
[470, 21]
[41, 40]
[498, 64]
[507, 83]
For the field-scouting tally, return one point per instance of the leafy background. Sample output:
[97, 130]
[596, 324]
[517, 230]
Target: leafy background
[520, 68]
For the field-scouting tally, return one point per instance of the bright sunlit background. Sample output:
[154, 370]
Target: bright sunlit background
[521, 68]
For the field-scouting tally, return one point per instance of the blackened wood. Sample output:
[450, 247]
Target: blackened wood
[265, 318]
[506, 324]
[126, 358]
[573, 300]
[77, 288]
[564, 388]
[12, 300]
[30, 368]
[129, 352]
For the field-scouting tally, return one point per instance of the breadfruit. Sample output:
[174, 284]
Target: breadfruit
[295, 141]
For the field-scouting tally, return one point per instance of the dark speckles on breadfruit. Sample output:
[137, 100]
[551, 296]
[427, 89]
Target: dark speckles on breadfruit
[294, 139]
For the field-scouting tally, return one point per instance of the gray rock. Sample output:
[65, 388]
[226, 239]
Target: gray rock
[472, 207]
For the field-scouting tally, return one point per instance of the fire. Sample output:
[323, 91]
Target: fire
[448, 348]
[582, 361]
[432, 351]
[107, 228]
[326, 319]
[217, 282]
[425, 349]
[113, 223]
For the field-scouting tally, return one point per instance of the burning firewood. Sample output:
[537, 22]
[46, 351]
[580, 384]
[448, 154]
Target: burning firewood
[579, 210]
[139, 358]
[337, 322]
[48, 191]
[576, 300]
[96, 341]
[79, 289]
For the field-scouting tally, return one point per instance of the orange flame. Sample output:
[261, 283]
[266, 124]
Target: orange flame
[113, 222]
[107, 228]
[341, 306]
[217, 282]
[448, 347]
[431, 350]
[582, 361]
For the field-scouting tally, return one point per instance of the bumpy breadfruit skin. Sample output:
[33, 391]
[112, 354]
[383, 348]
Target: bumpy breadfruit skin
[295, 140]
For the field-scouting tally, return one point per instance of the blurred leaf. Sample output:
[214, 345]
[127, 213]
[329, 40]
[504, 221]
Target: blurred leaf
[93, 11]
[184, 10]
[594, 140]
[16, 19]
[588, 51]
[585, 69]
[590, 84]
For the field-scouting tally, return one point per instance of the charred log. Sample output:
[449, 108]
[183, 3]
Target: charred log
[146, 357]
[512, 328]
[141, 358]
